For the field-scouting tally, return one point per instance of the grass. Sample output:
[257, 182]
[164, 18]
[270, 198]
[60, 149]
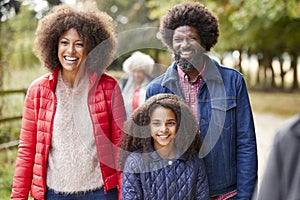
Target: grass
[278, 103]
[7, 160]
[12, 106]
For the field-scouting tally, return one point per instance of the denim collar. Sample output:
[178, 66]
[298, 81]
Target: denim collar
[212, 73]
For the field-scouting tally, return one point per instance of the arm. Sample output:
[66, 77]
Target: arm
[149, 91]
[131, 184]
[202, 183]
[26, 152]
[118, 118]
[246, 145]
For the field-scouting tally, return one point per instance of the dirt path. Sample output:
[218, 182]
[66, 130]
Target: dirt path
[266, 126]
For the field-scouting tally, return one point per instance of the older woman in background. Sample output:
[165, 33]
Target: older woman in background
[138, 68]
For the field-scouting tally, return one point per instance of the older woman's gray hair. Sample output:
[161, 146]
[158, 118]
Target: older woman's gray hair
[138, 61]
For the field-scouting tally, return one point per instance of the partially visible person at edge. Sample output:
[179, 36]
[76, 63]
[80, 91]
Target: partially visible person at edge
[138, 68]
[218, 97]
[281, 178]
[73, 115]
[160, 146]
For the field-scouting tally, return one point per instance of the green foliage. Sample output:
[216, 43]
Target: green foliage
[267, 28]
[135, 28]
[7, 165]
[126, 14]
[260, 25]
[10, 131]
[159, 8]
[11, 107]
[8, 8]
[19, 51]
[251, 25]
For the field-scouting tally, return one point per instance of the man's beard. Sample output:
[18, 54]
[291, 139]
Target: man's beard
[193, 63]
[184, 64]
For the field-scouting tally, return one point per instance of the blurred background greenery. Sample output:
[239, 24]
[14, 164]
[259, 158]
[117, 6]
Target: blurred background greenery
[260, 38]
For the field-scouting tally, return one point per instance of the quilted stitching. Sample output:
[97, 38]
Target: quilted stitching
[40, 106]
[156, 179]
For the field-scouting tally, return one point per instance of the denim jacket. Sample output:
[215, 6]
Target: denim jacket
[226, 125]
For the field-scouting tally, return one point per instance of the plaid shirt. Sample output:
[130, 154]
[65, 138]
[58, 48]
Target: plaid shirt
[190, 89]
[225, 196]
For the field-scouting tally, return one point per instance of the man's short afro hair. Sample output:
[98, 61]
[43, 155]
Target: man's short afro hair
[190, 14]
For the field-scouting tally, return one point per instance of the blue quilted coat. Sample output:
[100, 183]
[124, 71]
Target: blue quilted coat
[150, 177]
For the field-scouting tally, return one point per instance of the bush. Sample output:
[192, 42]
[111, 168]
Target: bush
[10, 131]
[7, 160]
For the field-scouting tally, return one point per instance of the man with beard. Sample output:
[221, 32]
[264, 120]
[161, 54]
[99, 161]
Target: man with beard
[218, 97]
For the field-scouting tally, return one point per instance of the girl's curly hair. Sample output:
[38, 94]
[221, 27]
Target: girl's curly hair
[136, 131]
[93, 26]
[190, 14]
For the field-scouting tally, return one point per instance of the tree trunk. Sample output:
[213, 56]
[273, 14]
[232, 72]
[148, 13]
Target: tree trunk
[273, 84]
[294, 66]
[267, 64]
[258, 74]
[282, 73]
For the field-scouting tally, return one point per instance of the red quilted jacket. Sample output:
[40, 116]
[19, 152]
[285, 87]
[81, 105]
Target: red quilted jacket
[107, 113]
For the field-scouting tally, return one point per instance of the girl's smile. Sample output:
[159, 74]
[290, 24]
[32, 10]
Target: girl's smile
[163, 127]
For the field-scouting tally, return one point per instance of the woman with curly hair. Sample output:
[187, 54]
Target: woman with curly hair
[73, 115]
[159, 152]
[216, 94]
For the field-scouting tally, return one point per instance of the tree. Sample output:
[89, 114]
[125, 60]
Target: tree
[7, 9]
[132, 20]
[266, 28]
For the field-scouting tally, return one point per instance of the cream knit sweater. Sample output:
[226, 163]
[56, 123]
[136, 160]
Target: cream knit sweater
[73, 164]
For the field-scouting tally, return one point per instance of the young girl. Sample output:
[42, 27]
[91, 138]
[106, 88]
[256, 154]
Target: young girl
[159, 156]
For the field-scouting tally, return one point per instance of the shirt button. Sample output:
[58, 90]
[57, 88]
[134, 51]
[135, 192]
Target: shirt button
[170, 162]
[173, 184]
[202, 120]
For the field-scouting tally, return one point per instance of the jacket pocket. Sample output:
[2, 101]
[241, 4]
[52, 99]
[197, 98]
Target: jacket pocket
[223, 112]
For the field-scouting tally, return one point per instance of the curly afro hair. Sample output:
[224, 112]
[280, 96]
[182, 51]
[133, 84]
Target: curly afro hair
[190, 14]
[93, 26]
[136, 131]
